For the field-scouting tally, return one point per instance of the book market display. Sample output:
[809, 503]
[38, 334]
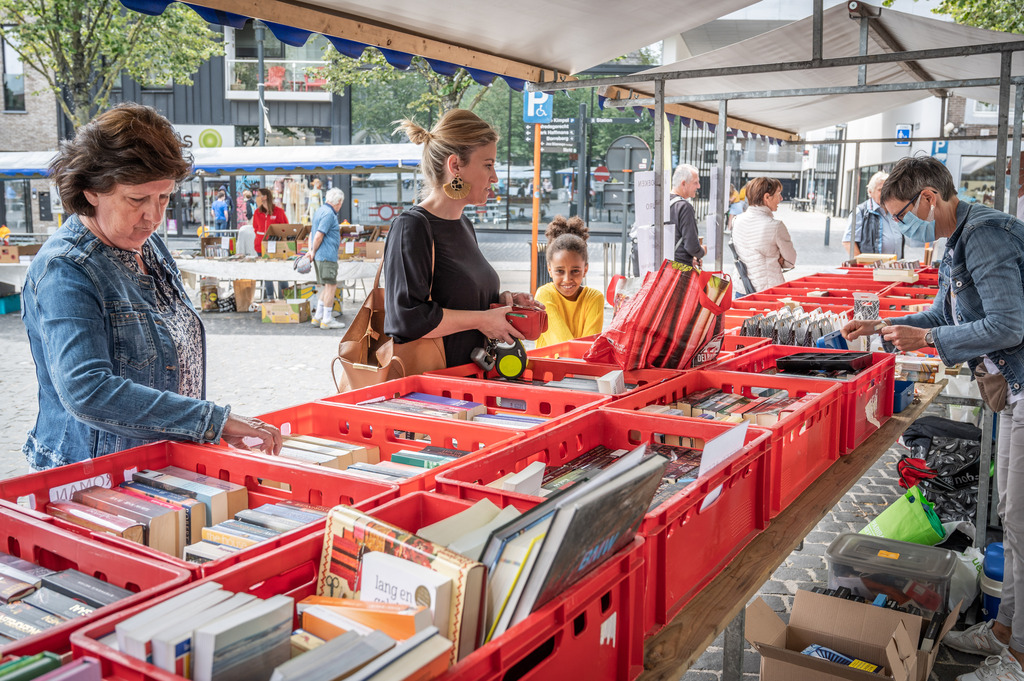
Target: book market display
[467, 525]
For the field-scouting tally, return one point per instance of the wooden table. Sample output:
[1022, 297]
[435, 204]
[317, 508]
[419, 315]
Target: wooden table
[670, 652]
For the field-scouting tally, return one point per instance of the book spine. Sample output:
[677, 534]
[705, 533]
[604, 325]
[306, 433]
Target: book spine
[228, 539]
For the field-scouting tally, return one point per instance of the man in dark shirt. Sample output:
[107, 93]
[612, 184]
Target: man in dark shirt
[685, 183]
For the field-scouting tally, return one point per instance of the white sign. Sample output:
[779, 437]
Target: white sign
[903, 135]
[207, 136]
[56, 207]
[538, 107]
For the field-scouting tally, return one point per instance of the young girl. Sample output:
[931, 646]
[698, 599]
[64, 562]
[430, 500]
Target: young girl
[574, 310]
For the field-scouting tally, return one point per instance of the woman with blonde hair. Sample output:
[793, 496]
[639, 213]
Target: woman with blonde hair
[439, 284]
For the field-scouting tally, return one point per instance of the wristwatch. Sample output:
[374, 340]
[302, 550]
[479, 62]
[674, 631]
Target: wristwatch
[929, 340]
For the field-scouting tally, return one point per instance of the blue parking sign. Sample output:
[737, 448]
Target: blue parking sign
[538, 107]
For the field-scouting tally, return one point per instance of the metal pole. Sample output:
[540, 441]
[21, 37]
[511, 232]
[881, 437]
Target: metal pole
[1004, 116]
[659, 170]
[536, 208]
[1015, 153]
[816, 36]
[862, 70]
[508, 166]
[984, 464]
[260, 82]
[582, 170]
[720, 191]
[854, 192]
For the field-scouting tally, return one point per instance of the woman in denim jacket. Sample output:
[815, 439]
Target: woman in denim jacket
[977, 317]
[120, 352]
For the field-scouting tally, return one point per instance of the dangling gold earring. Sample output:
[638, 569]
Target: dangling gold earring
[456, 189]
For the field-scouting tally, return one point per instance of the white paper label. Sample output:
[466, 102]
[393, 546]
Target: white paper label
[608, 629]
[718, 450]
[64, 492]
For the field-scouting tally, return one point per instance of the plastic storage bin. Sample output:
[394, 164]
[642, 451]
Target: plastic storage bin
[867, 396]
[540, 369]
[309, 486]
[589, 630]
[498, 397]
[992, 580]
[917, 577]
[388, 431]
[804, 444]
[686, 543]
[45, 544]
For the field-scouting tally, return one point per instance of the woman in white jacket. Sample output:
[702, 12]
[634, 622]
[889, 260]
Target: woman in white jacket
[761, 241]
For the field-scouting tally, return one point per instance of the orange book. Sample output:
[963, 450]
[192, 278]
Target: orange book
[396, 620]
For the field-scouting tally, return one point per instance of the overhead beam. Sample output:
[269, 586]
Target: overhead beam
[330, 22]
[890, 43]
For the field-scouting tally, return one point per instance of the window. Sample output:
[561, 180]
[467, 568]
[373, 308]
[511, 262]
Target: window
[289, 73]
[15, 205]
[14, 79]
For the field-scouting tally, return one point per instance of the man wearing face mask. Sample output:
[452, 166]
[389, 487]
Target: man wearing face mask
[977, 317]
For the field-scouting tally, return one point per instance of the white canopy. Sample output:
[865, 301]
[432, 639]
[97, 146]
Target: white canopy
[840, 38]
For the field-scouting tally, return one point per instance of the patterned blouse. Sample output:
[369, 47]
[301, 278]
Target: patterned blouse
[182, 323]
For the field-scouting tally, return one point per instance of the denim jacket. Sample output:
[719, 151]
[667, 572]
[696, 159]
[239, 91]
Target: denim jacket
[984, 267]
[105, 363]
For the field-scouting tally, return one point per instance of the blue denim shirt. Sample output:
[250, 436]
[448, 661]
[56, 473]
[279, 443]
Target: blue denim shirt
[105, 363]
[325, 220]
[984, 267]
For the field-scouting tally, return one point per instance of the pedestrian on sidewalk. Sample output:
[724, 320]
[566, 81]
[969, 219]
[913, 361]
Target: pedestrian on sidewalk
[762, 241]
[323, 251]
[120, 352]
[978, 318]
[871, 228]
[439, 284]
[685, 183]
[219, 211]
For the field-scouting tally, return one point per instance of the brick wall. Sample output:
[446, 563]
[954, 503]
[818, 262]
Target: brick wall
[35, 129]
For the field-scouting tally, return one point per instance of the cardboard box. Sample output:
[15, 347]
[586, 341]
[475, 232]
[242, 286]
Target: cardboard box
[285, 312]
[14, 254]
[867, 632]
[375, 250]
[216, 246]
[282, 240]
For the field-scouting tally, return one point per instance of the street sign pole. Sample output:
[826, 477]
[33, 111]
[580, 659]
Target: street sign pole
[536, 207]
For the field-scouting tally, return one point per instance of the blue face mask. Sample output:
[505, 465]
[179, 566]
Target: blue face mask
[915, 228]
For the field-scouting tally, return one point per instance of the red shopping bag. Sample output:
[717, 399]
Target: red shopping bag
[676, 316]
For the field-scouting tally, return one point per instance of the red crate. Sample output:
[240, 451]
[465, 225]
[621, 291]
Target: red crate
[388, 431]
[761, 301]
[552, 642]
[734, 345]
[109, 471]
[867, 397]
[924, 293]
[538, 369]
[45, 544]
[804, 444]
[498, 397]
[568, 350]
[837, 282]
[673, 529]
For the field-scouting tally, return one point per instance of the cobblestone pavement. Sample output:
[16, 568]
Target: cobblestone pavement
[261, 367]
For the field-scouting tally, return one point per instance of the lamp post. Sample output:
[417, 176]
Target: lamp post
[260, 28]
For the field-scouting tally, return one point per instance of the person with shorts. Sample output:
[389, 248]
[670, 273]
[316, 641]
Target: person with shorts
[323, 251]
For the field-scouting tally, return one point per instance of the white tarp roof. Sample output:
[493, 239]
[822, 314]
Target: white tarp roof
[358, 158]
[840, 38]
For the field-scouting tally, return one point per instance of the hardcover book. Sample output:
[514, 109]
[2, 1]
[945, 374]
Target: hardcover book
[14, 589]
[245, 645]
[82, 587]
[59, 604]
[165, 528]
[350, 534]
[97, 520]
[21, 620]
[18, 568]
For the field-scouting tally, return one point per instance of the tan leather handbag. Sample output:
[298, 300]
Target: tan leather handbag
[369, 356]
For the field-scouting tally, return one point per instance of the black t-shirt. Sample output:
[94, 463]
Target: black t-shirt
[462, 280]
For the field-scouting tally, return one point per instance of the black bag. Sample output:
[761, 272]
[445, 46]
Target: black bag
[951, 449]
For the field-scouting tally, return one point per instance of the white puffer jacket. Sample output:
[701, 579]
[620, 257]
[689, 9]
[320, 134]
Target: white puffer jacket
[760, 241]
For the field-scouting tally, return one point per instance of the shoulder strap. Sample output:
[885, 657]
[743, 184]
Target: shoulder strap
[426, 222]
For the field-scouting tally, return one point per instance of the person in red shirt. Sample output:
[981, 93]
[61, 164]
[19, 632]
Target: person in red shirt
[266, 214]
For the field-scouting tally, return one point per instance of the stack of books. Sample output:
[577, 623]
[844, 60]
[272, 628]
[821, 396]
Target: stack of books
[251, 526]
[330, 453]
[35, 598]
[767, 409]
[210, 634]
[436, 406]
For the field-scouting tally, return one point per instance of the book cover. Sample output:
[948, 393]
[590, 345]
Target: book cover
[357, 450]
[97, 520]
[303, 506]
[400, 471]
[268, 520]
[397, 620]
[215, 500]
[312, 458]
[59, 604]
[227, 538]
[172, 646]
[290, 513]
[34, 667]
[245, 644]
[419, 459]
[82, 587]
[139, 639]
[249, 529]
[82, 669]
[351, 533]
[165, 528]
[471, 408]
[128, 626]
[18, 568]
[206, 551]
[506, 582]
[389, 579]
[238, 495]
[21, 620]
[195, 511]
[445, 451]
[449, 529]
[12, 589]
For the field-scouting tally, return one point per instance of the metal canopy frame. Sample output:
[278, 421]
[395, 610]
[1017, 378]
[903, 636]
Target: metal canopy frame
[910, 60]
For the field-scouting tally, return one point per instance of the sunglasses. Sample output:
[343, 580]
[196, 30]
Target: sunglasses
[902, 212]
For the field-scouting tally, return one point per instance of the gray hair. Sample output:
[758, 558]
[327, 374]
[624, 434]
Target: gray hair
[877, 180]
[334, 195]
[912, 174]
[684, 173]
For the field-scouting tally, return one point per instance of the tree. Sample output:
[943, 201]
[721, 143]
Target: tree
[999, 15]
[82, 47]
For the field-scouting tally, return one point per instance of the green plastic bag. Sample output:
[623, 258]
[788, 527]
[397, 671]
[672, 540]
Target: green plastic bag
[910, 518]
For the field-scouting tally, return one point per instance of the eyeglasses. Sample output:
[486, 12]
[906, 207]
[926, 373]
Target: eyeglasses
[902, 212]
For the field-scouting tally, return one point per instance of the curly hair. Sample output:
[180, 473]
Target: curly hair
[567, 235]
[129, 145]
[460, 132]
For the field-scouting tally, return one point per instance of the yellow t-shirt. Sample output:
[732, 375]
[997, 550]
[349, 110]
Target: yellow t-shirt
[569, 319]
